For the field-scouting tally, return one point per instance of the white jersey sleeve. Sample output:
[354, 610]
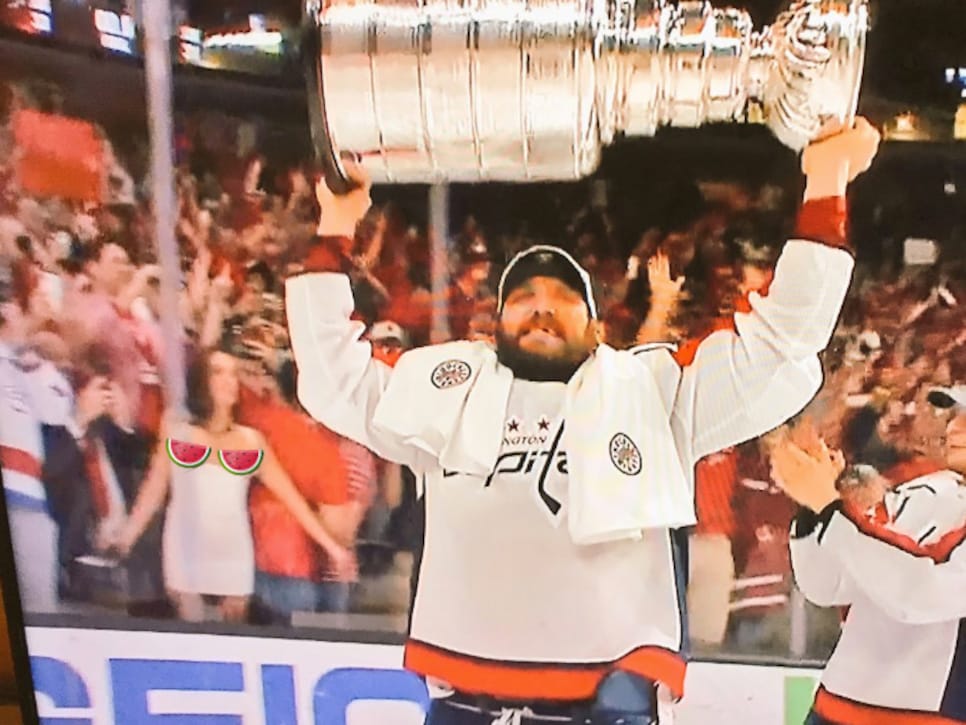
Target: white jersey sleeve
[339, 382]
[747, 381]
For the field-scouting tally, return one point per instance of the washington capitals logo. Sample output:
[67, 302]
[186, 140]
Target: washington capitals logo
[450, 374]
[530, 454]
[625, 455]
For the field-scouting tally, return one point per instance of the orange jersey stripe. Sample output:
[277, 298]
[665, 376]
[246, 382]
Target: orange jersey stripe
[537, 681]
[943, 549]
[848, 712]
[15, 459]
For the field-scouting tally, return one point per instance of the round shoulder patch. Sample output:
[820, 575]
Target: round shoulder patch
[449, 374]
[625, 455]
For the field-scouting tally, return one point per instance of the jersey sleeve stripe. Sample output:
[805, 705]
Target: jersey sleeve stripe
[940, 552]
[824, 221]
[16, 459]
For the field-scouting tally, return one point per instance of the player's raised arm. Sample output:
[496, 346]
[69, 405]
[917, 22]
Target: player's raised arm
[748, 380]
[339, 382]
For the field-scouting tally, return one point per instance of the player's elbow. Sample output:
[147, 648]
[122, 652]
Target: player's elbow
[784, 339]
[804, 346]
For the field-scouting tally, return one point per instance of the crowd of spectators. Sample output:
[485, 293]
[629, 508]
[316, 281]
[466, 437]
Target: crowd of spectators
[84, 276]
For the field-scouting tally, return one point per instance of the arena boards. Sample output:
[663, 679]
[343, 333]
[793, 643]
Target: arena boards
[103, 677]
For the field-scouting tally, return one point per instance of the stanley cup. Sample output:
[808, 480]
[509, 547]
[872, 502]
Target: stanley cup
[526, 90]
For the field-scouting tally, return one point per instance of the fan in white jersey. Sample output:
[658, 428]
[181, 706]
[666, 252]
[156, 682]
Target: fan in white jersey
[33, 531]
[900, 567]
[556, 469]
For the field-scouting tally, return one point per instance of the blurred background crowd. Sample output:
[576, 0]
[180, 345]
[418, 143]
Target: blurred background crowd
[674, 253]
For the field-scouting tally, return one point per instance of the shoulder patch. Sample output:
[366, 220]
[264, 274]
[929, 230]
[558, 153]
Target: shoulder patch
[625, 455]
[450, 374]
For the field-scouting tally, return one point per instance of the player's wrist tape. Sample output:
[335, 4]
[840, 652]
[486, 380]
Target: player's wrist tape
[328, 254]
[824, 221]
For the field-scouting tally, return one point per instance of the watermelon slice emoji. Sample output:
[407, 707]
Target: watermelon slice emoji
[188, 455]
[241, 463]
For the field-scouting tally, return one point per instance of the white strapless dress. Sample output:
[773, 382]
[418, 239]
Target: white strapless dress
[208, 547]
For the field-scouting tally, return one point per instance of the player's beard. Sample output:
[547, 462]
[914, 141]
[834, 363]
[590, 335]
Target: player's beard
[539, 368]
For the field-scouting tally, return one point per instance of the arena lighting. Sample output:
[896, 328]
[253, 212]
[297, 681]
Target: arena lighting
[263, 40]
[257, 36]
[117, 32]
[190, 44]
[905, 123]
[40, 16]
[956, 77]
[959, 124]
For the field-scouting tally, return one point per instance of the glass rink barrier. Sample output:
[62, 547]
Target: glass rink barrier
[210, 516]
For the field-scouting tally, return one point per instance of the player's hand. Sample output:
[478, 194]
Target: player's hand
[832, 163]
[808, 479]
[341, 213]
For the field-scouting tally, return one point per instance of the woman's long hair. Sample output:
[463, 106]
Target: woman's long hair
[198, 399]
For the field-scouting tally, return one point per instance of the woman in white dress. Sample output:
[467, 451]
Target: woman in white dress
[208, 551]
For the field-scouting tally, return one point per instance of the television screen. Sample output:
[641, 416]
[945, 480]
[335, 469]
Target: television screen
[192, 535]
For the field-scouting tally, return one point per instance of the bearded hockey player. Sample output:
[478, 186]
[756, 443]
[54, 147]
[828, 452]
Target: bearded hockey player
[555, 468]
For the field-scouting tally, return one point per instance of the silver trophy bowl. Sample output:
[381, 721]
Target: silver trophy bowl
[427, 91]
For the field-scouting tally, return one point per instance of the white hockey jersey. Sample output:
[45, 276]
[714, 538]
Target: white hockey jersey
[21, 442]
[901, 569]
[507, 605]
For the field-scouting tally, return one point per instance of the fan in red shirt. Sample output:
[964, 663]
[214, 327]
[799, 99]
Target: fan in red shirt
[467, 289]
[290, 571]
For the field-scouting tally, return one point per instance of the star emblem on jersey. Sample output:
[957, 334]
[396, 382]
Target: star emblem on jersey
[513, 425]
[625, 455]
[449, 374]
[543, 423]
